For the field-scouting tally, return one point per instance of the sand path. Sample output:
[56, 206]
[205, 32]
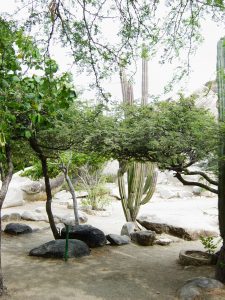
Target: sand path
[126, 272]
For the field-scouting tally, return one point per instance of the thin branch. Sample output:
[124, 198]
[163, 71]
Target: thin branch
[214, 182]
[185, 182]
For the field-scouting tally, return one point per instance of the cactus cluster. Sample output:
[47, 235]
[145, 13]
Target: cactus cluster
[141, 177]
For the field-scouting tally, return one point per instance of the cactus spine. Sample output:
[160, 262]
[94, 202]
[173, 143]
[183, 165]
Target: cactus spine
[141, 177]
[220, 269]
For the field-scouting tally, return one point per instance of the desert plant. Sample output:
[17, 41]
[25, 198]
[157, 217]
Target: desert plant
[141, 177]
[209, 243]
[93, 182]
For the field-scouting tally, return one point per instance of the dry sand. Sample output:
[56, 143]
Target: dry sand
[126, 272]
[110, 273]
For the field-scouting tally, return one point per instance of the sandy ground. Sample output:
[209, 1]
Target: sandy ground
[121, 273]
[126, 272]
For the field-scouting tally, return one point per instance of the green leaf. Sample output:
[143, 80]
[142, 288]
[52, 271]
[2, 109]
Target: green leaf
[27, 134]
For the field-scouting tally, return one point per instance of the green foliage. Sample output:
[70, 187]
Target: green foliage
[35, 171]
[98, 197]
[110, 178]
[209, 243]
[92, 181]
[173, 134]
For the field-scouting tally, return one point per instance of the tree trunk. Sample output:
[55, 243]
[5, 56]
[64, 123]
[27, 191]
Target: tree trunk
[34, 145]
[49, 198]
[4, 188]
[73, 194]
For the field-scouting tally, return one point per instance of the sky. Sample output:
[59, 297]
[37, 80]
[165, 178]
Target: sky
[203, 65]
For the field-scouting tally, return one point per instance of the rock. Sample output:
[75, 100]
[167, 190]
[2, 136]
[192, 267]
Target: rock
[62, 195]
[197, 258]
[144, 238]
[34, 216]
[17, 228]
[197, 190]
[184, 233]
[56, 249]
[128, 228]
[167, 193]
[14, 196]
[118, 240]
[163, 242]
[185, 194]
[69, 218]
[92, 236]
[196, 288]
[40, 209]
[35, 191]
[11, 217]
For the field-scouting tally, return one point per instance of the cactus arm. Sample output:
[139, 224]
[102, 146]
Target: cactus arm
[221, 110]
[151, 189]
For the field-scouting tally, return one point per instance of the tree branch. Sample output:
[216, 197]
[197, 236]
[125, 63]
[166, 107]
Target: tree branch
[185, 182]
[214, 182]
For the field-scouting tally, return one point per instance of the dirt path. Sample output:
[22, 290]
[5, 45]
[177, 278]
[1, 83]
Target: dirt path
[111, 273]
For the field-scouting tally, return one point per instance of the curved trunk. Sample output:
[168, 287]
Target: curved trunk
[34, 145]
[49, 198]
[73, 194]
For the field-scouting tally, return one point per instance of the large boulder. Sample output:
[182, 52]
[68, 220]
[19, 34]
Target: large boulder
[92, 236]
[56, 249]
[14, 196]
[152, 223]
[144, 238]
[17, 228]
[35, 191]
[34, 216]
[118, 240]
[197, 288]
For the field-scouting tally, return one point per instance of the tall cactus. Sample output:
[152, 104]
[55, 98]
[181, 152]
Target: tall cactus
[141, 177]
[220, 269]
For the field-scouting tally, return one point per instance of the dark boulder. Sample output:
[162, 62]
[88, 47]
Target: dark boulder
[118, 240]
[56, 249]
[144, 238]
[17, 228]
[92, 236]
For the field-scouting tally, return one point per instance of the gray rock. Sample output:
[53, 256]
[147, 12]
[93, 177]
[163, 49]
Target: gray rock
[92, 236]
[34, 216]
[17, 228]
[118, 240]
[11, 217]
[184, 233]
[35, 191]
[167, 193]
[144, 238]
[70, 219]
[197, 258]
[185, 194]
[128, 228]
[163, 242]
[56, 249]
[197, 190]
[196, 288]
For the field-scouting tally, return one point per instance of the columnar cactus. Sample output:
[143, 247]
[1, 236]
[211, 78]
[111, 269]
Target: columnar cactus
[220, 270]
[141, 177]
